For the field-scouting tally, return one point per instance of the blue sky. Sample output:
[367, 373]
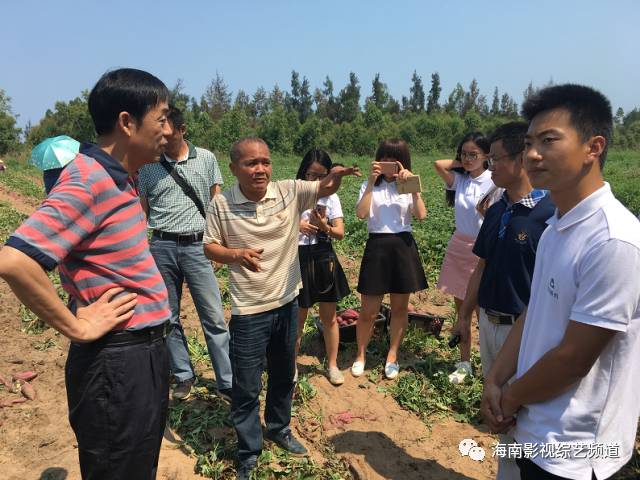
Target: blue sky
[52, 50]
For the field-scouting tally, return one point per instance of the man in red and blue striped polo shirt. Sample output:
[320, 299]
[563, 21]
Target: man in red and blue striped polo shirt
[93, 228]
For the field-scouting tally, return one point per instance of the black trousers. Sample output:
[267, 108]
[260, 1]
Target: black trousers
[530, 471]
[118, 400]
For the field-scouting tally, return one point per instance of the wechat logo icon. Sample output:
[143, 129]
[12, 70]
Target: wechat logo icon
[469, 448]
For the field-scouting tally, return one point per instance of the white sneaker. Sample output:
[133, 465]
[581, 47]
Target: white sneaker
[391, 370]
[462, 370]
[335, 376]
[357, 369]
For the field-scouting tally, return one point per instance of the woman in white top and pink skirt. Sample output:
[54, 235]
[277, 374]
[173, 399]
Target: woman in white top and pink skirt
[469, 180]
[390, 263]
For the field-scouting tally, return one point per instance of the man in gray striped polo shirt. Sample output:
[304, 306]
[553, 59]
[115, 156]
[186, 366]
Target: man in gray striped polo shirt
[253, 227]
[176, 245]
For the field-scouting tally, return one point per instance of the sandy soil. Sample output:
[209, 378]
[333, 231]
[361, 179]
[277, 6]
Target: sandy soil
[22, 204]
[367, 428]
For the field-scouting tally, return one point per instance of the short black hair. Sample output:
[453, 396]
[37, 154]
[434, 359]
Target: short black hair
[395, 148]
[312, 156]
[512, 136]
[175, 116]
[124, 90]
[589, 110]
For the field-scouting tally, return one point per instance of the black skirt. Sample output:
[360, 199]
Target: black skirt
[391, 264]
[323, 279]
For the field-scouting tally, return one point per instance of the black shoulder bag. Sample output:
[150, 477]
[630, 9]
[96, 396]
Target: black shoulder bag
[186, 188]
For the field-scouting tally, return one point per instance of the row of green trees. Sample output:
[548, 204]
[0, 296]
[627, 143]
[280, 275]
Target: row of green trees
[294, 121]
[9, 133]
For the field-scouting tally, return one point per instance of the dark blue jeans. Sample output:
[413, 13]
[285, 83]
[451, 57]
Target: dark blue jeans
[271, 334]
[180, 262]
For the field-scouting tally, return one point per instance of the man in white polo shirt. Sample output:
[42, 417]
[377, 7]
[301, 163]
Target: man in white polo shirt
[253, 227]
[576, 397]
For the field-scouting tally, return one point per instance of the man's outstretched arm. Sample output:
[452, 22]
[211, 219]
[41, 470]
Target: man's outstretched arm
[331, 183]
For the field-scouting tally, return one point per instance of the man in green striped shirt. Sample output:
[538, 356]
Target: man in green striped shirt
[176, 245]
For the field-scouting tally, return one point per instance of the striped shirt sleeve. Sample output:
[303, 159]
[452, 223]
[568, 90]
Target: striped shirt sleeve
[213, 227]
[307, 194]
[64, 220]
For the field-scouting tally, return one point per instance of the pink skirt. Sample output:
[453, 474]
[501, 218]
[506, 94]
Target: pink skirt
[457, 266]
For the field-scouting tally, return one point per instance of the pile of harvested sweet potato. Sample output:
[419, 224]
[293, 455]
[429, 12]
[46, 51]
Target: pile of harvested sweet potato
[347, 317]
[20, 384]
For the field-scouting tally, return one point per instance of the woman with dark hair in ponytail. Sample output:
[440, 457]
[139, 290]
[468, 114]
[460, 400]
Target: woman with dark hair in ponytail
[469, 180]
[323, 280]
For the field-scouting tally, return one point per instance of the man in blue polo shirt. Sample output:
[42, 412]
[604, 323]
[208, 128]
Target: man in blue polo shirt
[576, 393]
[506, 246]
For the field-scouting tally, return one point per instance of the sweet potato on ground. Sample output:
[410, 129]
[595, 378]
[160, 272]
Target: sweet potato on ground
[26, 389]
[25, 376]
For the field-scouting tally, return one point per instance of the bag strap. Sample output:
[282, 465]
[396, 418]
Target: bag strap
[186, 188]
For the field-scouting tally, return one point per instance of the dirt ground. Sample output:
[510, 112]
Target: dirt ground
[367, 428]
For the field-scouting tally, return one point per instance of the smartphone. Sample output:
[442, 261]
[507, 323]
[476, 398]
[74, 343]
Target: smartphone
[411, 185]
[321, 210]
[388, 168]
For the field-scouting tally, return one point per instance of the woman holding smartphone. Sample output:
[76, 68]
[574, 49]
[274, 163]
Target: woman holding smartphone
[469, 180]
[323, 280]
[391, 263]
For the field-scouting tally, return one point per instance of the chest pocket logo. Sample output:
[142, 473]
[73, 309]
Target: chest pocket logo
[522, 237]
[551, 289]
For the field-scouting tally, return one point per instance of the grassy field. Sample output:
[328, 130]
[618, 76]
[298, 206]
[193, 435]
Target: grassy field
[432, 234]
[422, 389]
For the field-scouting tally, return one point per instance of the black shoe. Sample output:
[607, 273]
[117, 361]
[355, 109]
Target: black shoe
[244, 470]
[287, 441]
[225, 394]
[182, 390]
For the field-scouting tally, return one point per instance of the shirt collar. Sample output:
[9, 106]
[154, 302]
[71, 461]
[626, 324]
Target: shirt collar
[111, 165]
[582, 210]
[192, 153]
[530, 200]
[480, 178]
[238, 197]
[192, 150]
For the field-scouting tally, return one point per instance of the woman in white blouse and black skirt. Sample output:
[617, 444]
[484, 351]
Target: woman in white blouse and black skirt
[323, 280]
[391, 263]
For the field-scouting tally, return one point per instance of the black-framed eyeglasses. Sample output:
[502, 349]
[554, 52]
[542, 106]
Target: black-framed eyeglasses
[491, 159]
[470, 155]
[314, 176]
